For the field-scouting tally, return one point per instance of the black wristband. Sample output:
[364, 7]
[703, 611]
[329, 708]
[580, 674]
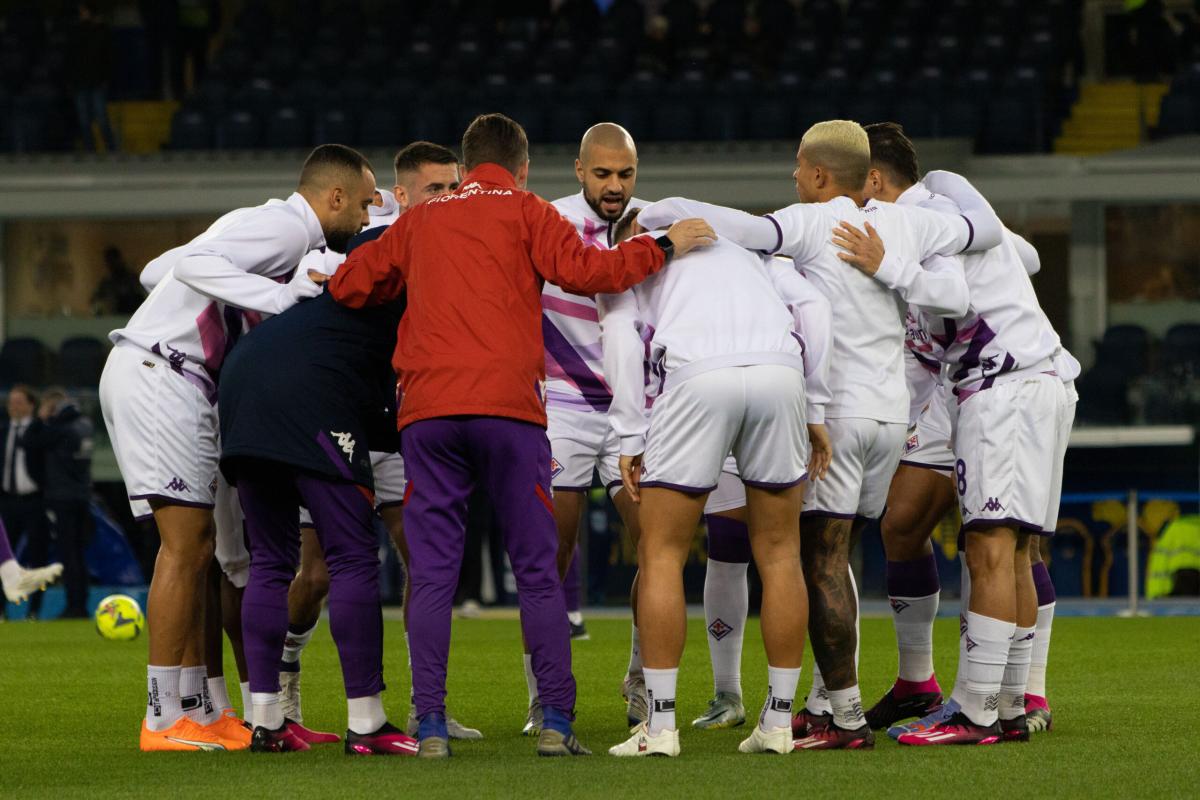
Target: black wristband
[668, 247]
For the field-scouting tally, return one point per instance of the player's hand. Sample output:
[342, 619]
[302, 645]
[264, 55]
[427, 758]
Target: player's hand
[317, 277]
[863, 250]
[303, 285]
[821, 452]
[688, 234]
[631, 475]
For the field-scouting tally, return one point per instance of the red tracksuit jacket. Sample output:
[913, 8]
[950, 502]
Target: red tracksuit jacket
[473, 264]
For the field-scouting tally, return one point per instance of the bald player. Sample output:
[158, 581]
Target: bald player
[158, 391]
[582, 441]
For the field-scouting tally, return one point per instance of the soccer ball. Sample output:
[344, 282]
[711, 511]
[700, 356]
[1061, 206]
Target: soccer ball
[119, 618]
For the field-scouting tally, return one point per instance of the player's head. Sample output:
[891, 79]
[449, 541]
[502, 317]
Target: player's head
[424, 171]
[54, 398]
[607, 169]
[834, 159]
[339, 184]
[893, 162]
[496, 139]
[21, 401]
[628, 226]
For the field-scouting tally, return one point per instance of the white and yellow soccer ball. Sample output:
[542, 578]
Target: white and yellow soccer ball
[119, 618]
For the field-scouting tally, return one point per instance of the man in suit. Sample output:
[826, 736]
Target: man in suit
[21, 505]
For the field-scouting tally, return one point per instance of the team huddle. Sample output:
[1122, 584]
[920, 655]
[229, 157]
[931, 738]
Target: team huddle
[874, 350]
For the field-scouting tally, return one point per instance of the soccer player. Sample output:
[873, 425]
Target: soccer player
[869, 410]
[1010, 417]
[19, 582]
[471, 365]
[577, 396]
[423, 170]
[157, 392]
[729, 373]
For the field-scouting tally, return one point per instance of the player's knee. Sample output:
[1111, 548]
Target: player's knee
[987, 554]
[314, 580]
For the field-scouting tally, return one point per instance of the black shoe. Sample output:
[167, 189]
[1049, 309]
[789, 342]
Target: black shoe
[280, 740]
[891, 709]
[579, 632]
[1015, 729]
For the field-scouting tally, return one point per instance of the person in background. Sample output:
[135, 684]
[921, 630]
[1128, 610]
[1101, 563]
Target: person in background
[89, 70]
[21, 506]
[64, 438]
[119, 291]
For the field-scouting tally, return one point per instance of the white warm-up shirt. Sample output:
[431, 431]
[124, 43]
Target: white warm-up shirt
[326, 261]
[208, 291]
[867, 372]
[716, 307]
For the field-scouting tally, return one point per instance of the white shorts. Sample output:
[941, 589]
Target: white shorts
[730, 492]
[228, 520]
[163, 429]
[390, 483]
[756, 413]
[582, 442]
[1009, 442]
[1066, 421]
[865, 455]
[928, 443]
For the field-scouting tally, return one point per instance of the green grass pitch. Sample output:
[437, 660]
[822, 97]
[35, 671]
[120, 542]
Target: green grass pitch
[1124, 694]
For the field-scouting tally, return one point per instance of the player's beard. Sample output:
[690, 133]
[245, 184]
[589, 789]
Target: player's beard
[601, 212]
[339, 240]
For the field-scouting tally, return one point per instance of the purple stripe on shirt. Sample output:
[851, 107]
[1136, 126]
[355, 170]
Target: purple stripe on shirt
[570, 308]
[970, 233]
[981, 337]
[212, 335]
[574, 368]
[334, 456]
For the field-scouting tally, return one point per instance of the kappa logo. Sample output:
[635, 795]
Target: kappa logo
[720, 629]
[971, 645]
[962, 625]
[177, 484]
[912, 444]
[555, 467]
[345, 441]
[993, 505]
[898, 605]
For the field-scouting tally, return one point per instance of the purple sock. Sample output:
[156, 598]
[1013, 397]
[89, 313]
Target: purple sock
[571, 583]
[916, 578]
[6, 553]
[1043, 584]
[728, 539]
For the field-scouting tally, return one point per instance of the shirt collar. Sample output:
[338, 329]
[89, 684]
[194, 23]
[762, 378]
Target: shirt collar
[312, 225]
[913, 195]
[492, 174]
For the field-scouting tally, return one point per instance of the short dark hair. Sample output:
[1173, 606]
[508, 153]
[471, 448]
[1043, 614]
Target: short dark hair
[328, 160]
[495, 139]
[893, 152]
[412, 156]
[27, 390]
[625, 224]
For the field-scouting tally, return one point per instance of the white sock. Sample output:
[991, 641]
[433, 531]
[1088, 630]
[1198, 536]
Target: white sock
[193, 695]
[575, 617]
[913, 617]
[847, 708]
[163, 708]
[726, 605]
[818, 696]
[1041, 651]
[635, 652]
[530, 679]
[219, 694]
[1016, 673]
[247, 702]
[987, 644]
[781, 696]
[365, 714]
[660, 696]
[267, 710]
[960, 675]
[294, 644]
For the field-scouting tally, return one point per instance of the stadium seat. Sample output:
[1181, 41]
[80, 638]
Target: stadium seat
[1125, 348]
[1011, 126]
[1181, 347]
[723, 119]
[1179, 115]
[286, 129]
[672, 122]
[1103, 395]
[917, 115]
[960, 117]
[567, 120]
[191, 129]
[334, 125]
[80, 361]
[381, 126]
[23, 360]
[237, 130]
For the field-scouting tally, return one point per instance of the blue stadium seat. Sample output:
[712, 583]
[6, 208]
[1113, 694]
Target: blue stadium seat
[286, 128]
[191, 129]
[1181, 347]
[672, 121]
[960, 117]
[23, 360]
[865, 108]
[431, 124]
[1125, 348]
[334, 125]
[1011, 127]
[80, 361]
[917, 115]
[723, 119]
[568, 119]
[814, 109]
[1179, 115]
[381, 126]
[237, 130]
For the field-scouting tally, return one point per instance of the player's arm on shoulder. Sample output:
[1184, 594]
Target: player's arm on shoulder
[937, 284]
[621, 343]
[986, 229]
[747, 230]
[371, 275]
[1028, 253]
[812, 319]
[561, 257]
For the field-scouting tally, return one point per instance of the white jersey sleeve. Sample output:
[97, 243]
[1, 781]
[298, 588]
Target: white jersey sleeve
[987, 229]
[747, 230]
[937, 285]
[813, 317]
[624, 354]
[1029, 254]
